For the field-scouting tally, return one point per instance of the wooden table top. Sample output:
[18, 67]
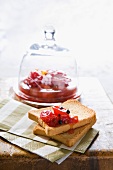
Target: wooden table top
[98, 156]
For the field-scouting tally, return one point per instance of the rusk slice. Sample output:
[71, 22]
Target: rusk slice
[68, 138]
[85, 116]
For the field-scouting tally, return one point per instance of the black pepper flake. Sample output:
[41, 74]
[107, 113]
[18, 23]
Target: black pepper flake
[60, 122]
[68, 111]
[61, 107]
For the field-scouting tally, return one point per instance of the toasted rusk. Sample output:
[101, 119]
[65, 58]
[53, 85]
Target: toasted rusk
[68, 138]
[85, 116]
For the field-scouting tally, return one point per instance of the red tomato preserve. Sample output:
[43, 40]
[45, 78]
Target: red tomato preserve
[58, 116]
[47, 86]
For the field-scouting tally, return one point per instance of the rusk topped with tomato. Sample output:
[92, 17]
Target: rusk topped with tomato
[58, 119]
[58, 116]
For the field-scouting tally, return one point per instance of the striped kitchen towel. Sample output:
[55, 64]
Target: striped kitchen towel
[18, 127]
[48, 152]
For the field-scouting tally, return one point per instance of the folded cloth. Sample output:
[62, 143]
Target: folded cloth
[18, 130]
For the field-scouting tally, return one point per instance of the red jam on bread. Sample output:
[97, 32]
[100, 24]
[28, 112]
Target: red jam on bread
[47, 86]
[58, 116]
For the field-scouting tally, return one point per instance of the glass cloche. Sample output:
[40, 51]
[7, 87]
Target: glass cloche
[48, 73]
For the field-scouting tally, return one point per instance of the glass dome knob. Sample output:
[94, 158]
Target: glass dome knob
[49, 33]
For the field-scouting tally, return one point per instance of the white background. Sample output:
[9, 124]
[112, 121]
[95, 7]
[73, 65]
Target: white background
[84, 26]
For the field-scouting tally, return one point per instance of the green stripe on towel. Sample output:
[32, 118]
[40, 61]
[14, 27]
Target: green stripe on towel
[3, 102]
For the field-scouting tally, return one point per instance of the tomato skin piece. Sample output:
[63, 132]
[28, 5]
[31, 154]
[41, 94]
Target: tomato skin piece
[44, 114]
[34, 74]
[56, 109]
[59, 110]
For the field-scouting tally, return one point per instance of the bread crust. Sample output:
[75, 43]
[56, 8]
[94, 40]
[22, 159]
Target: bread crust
[85, 116]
